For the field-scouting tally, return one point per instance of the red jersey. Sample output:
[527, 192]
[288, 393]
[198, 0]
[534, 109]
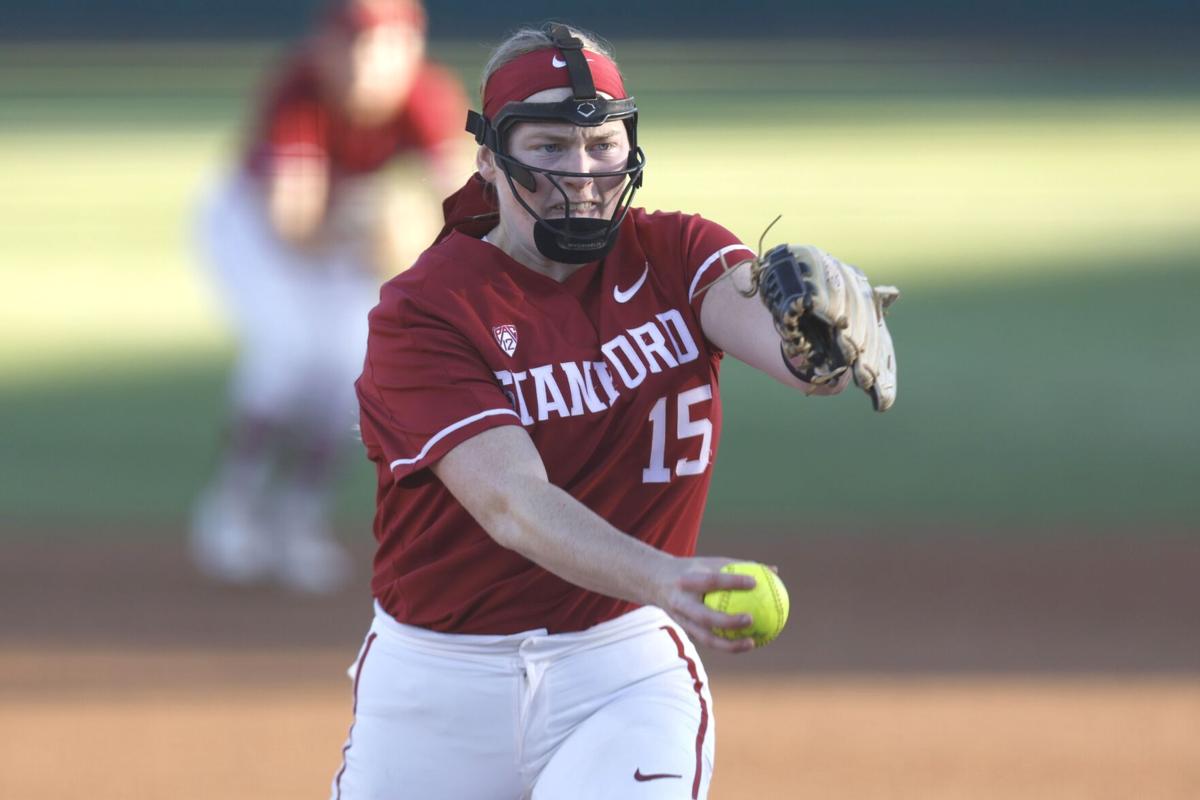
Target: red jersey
[609, 373]
[297, 120]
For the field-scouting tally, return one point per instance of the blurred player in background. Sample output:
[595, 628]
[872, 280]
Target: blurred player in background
[314, 218]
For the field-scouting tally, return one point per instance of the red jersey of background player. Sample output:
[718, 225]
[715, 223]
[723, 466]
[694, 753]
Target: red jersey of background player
[298, 120]
[608, 371]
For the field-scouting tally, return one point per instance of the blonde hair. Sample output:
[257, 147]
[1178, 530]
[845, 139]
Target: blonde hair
[531, 38]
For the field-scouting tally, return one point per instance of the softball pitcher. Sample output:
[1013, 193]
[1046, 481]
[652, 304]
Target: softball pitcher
[541, 400]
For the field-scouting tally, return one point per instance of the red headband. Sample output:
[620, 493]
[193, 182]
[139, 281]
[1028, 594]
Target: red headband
[545, 69]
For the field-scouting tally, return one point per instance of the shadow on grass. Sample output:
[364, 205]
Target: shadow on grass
[1023, 403]
[135, 443]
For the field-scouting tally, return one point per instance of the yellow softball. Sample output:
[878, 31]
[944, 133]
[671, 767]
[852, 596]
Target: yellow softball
[766, 603]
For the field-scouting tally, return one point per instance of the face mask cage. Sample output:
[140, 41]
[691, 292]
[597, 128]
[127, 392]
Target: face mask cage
[568, 239]
[571, 239]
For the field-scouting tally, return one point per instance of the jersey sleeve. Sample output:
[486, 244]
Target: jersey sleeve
[295, 129]
[436, 109]
[708, 248]
[292, 122]
[424, 389]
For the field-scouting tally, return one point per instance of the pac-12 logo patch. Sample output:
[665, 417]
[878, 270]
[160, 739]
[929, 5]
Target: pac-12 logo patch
[506, 337]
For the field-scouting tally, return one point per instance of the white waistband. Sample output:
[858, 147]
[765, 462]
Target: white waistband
[527, 643]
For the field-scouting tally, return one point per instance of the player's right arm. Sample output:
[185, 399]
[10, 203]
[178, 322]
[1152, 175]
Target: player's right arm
[297, 195]
[289, 154]
[499, 477]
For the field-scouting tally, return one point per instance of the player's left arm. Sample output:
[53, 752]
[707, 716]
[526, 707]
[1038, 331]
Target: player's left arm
[442, 158]
[743, 328]
[447, 165]
[433, 120]
[822, 316]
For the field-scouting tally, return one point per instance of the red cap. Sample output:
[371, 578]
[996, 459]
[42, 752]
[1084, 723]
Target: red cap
[354, 16]
[546, 69]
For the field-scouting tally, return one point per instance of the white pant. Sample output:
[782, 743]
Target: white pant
[301, 320]
[621, 710]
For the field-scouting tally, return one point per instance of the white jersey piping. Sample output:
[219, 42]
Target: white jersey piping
[709, 262]
[444, 432]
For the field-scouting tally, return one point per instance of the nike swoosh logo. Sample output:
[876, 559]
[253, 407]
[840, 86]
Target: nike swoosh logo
[627, 295]
[638, 776]
[558, 63]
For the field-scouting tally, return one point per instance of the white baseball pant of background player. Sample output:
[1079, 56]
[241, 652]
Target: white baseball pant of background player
[621, 710]
[301, 323]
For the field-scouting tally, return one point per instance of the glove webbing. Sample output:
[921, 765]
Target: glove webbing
[788, 296]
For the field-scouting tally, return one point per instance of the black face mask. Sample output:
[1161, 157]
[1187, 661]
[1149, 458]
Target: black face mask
[568, 240]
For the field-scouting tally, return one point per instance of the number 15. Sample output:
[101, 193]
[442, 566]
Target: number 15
[685, 428]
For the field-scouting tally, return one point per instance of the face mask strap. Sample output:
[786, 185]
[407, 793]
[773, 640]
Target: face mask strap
[583, 87]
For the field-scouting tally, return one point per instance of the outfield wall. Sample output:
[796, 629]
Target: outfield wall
[1074, 19]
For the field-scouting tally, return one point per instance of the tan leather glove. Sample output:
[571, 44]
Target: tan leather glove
[830, 318]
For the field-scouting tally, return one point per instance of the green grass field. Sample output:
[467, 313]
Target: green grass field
[1038, 210]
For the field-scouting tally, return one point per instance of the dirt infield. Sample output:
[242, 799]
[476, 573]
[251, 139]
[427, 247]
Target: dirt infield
[977, 738]
[935, 668]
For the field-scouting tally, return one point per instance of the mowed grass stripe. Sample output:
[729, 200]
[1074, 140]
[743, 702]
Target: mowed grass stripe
[1035, 402]
[110, 213]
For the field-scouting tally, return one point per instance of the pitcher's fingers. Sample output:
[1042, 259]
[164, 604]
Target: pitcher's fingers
[702, 616]
[704, 582]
